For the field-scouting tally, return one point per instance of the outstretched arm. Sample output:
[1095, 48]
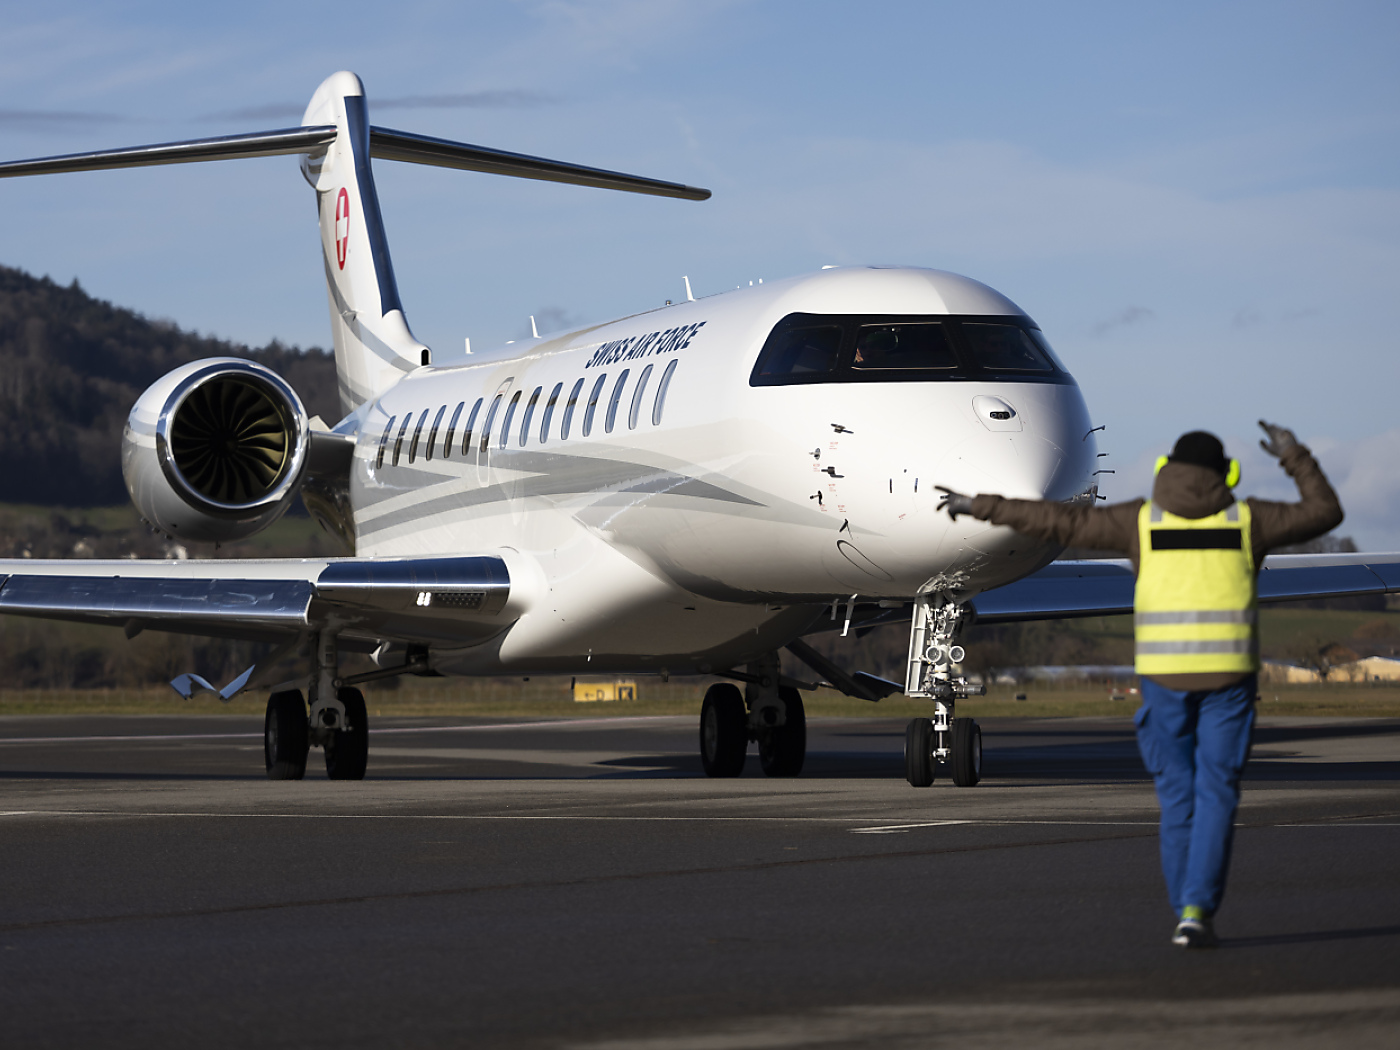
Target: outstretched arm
[1319, 510]
[1111, 528]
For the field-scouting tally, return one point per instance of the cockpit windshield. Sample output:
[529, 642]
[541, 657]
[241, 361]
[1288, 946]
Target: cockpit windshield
[812, 348]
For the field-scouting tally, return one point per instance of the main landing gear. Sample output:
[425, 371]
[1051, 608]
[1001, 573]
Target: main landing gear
[766, 712]
[288, 736]
[338, 722]
[943, 738]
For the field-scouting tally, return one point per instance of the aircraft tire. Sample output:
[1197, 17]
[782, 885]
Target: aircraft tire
[918, 753]
[347, 750]
[285, 736]
[967, 752]
[783, 749]
[724, 731]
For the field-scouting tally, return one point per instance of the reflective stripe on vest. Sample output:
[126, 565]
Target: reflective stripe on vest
[1194, 606]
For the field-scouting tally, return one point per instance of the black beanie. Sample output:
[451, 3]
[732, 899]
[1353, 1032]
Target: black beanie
[1202, 449]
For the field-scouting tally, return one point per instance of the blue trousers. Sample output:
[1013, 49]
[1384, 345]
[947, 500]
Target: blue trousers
[1195, 746]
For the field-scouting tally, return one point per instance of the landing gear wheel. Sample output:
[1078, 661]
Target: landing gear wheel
[967, 752]
[347, 750]
[285, 737]
[918, 753]
[724, 731]
[782, 749]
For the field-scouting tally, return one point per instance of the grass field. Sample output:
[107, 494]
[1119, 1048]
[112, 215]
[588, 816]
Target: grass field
[551, 698]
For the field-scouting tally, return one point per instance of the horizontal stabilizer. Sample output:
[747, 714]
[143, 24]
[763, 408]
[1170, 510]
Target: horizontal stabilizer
[227, 147]
[385, 144]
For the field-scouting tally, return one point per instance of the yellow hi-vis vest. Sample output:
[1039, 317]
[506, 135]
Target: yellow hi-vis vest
[1194, 610]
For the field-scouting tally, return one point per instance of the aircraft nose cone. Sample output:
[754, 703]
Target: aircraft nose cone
[1017, 466]
[1028, 444]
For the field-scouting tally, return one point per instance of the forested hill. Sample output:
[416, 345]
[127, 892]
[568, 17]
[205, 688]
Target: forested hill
[71, 367]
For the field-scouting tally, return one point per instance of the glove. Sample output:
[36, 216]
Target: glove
[1281, 439]
[954, 503]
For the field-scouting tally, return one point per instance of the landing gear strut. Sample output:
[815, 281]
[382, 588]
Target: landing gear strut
[933, 650]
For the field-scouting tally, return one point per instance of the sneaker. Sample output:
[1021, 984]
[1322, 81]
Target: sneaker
[1195, 929]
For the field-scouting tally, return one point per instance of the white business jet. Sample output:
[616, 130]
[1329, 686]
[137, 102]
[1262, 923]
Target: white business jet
[685, 491]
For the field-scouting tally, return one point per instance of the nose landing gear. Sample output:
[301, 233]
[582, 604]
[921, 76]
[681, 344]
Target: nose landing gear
[933, 650]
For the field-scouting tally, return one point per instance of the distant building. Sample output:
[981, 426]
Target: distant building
[1369, 669]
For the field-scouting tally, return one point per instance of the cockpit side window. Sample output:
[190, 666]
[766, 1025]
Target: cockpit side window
[1005, 348]
[800, 350]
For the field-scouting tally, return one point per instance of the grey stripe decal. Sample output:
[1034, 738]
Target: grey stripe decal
[368, 339]
[552, 474]
[1233, 514]
[1149, 619]
[1223, 645]
[1156, 516]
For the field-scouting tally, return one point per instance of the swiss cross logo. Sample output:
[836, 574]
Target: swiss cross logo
[342, 226]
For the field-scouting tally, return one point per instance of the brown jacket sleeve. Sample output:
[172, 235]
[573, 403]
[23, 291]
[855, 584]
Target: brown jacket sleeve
[1111, 528]
[1279, 524]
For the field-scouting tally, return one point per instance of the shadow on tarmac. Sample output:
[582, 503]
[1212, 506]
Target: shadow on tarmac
[1315, 937]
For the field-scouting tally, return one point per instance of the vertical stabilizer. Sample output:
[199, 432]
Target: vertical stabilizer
[373, 344]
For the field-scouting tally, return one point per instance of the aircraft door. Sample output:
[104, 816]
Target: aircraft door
[483, 445]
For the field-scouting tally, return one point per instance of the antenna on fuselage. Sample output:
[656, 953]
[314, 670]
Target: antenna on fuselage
[690, 297]
[533, 330]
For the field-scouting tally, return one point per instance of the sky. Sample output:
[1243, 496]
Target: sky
[1198, 202]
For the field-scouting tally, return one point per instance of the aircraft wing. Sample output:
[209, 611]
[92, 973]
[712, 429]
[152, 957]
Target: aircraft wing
[1066, 589]
[415, 600]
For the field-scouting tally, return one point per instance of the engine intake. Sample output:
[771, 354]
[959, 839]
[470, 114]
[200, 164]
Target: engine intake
[216, 450]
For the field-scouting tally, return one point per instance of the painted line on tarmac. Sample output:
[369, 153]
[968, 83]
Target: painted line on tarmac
[882, 829]
[551, 724]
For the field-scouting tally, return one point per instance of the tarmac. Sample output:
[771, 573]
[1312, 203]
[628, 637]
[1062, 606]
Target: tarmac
[580, 883]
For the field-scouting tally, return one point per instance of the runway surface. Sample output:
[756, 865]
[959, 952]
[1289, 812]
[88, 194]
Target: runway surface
[579, 883]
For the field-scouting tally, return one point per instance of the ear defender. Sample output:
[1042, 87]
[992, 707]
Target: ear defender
[1232, 476]
[1161, 462]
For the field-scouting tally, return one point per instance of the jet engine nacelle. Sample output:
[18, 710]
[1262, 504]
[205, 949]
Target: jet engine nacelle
[215, 450]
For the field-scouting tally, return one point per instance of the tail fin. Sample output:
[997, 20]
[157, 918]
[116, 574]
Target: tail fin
[373, 344]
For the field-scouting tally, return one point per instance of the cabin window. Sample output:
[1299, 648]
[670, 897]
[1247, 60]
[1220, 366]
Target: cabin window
[593, 404]
[549, 412]
[637, 398]
[398, 441]
[432, 435]
[569, 410]
[417, 433]
[661, 389]
[471, 425]
[529, 415]
[490, 419]
[452, 429]
[616, 397]
[384, 442]
[510, 415]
